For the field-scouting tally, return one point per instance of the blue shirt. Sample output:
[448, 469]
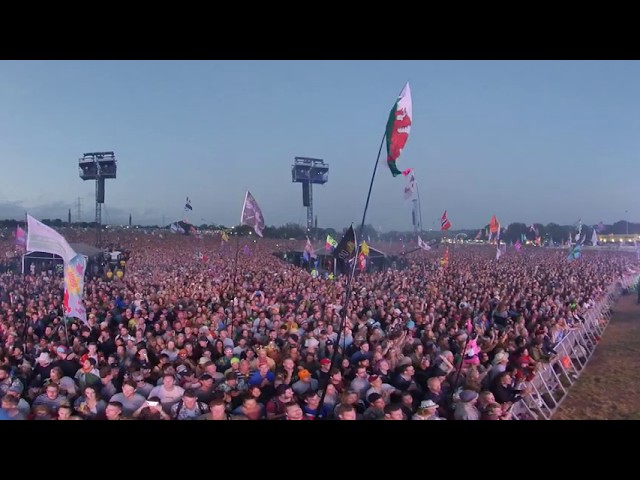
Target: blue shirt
[256, 378]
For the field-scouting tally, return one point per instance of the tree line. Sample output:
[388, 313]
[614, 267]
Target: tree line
[513, 232]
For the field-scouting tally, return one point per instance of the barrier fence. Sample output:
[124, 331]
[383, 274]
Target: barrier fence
[552, 381]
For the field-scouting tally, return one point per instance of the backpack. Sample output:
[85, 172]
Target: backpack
[199, 406]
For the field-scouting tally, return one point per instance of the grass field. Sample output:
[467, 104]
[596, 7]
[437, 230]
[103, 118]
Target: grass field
[609, 387]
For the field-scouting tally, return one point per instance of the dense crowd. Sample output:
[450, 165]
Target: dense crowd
[179, 338]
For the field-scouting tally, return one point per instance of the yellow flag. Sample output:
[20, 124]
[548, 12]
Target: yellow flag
[364, 248]
[225, 237]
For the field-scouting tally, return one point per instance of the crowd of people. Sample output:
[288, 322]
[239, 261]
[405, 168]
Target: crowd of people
[189, 334]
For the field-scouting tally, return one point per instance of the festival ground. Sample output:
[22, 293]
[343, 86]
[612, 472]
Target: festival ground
[609, 388]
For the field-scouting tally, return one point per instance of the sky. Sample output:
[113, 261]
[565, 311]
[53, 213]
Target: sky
[530, 141]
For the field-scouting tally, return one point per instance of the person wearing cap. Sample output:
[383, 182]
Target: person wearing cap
[465, 408]
[322, 374]
[376, 385]
[66, 361]
[305, 383]
[498, 366]
[235, 366]
[43, 366]
[328, 350]
[375, 411]
[427, 410]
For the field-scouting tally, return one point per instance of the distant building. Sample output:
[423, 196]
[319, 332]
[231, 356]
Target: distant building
[622, 238]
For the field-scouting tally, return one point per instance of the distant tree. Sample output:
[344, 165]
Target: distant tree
[515, 231]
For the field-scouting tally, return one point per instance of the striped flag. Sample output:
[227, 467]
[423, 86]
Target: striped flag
[445, 224]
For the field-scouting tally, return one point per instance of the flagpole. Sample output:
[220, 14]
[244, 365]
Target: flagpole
[343, 321]
[375, 168]
[353, 270]
[419, 205]
[235, 263]
[26, 227]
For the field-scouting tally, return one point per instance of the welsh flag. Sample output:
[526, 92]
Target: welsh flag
[398, 128]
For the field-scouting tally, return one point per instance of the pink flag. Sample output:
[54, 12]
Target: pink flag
[21, 237]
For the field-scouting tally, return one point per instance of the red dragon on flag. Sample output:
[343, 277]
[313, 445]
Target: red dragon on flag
[398, 128]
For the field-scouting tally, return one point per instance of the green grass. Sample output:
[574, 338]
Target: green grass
[609, 387]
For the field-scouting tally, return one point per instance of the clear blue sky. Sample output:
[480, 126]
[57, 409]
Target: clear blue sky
[526, 140]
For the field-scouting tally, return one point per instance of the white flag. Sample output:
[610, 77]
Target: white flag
[41, 238]
[594, 237]
[423, 245]
[410, 188]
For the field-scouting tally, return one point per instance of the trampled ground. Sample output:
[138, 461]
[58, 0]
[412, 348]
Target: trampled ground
[609, 387]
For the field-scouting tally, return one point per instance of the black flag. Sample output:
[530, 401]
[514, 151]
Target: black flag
[346, 249]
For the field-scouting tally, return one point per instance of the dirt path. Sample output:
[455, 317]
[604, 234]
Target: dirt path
[609, 388]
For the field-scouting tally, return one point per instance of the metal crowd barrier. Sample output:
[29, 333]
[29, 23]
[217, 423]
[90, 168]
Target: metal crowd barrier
[553, 380]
